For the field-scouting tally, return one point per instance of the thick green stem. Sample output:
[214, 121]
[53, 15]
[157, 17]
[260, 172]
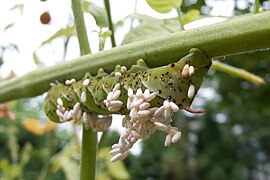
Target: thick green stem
[108, 10]
[89, 138]
[238, 35]
[88, 155]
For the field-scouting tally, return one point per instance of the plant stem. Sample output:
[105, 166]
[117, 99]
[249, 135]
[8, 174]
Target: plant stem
[77, 8]
[238, 35]
[102, 139]
[179, 15]
[256, 7]
[108, 11]
[89, 138]
[238, 72]
[132, 18]
[88, 155]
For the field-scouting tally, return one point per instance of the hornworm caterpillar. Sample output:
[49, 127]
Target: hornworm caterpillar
[108, 93]
[147, 97]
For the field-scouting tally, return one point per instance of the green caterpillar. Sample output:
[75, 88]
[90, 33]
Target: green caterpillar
[177, 82]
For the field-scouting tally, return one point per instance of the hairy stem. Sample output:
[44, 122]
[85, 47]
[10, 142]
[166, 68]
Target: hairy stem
[238, 35]
[89, 138]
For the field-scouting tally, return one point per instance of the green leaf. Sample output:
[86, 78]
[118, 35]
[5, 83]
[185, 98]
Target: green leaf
[151, 27]
[26, 154]
[106, 34]
[97, 12]
[9, 171]
[191, 15]
[70, 168]
[36, 59]
[18, 7]
[116, 170]
[143, 17]
[164, 6]
[145, 31]
[9, 26]
[66, 160]
[4, 164]
[68, 31]
[1, 60]
[119, 24]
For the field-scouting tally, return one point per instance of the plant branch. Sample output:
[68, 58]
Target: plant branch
[88, 155]
[132, 18]
[77, 8]
[102, 139]
[108, 11]
[256, 7]
[238, 35]
[237, 72]
[179, 15]
[89, 138]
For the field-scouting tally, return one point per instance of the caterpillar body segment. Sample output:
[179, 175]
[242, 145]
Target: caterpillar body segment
[172, 83]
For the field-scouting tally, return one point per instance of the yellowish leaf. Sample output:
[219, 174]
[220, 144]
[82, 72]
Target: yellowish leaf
[33, 126]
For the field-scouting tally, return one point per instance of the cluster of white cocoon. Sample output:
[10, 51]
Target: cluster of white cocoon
[189, 71]
[111, 102]
[95, 122]
[144, 120]
[71, 81]
[64, 115]
[72, 115]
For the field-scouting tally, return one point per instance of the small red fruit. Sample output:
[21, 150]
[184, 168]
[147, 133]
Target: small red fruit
[45, 18]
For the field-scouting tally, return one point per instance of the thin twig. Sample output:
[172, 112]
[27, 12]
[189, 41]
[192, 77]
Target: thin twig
[108, 11]
[238, 72]
[179, 15]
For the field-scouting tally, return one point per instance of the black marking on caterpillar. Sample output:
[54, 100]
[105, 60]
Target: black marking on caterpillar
[169, 82]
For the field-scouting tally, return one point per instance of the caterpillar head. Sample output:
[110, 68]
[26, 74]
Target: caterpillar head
[180, 81]
[65, 96]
